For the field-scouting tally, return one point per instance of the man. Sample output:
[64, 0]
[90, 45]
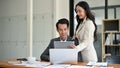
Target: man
[62, 27]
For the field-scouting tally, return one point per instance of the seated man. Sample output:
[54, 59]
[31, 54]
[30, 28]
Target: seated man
[62, 27]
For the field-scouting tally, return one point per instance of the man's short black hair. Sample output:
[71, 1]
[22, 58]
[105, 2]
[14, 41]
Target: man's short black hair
[62, 21]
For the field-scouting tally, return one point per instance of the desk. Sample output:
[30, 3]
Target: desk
[5, 64]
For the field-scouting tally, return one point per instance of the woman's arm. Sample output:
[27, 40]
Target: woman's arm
[88, 35]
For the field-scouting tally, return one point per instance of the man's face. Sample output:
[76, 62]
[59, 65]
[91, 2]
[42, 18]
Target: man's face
[63, 31]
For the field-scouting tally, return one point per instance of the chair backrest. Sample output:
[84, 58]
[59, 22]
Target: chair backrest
[113, 59]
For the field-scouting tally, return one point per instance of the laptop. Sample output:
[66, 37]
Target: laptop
[63, 56]
[63, 45]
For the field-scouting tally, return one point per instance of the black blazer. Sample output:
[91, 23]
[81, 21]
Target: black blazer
[45, 54]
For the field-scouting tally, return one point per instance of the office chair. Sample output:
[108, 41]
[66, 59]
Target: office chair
[113, 59]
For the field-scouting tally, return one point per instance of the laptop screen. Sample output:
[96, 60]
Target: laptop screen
[63, 56]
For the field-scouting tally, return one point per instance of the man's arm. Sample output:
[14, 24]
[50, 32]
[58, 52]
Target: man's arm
[45, 54]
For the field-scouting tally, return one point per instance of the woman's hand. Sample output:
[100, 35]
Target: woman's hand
[74, 36]
[72, 46]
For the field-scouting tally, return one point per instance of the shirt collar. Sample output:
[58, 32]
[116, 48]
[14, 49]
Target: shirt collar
[63, 40]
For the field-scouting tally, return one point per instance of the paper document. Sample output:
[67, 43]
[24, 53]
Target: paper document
[102, 64]
[30, 64]
[76, 66]
[58, 66]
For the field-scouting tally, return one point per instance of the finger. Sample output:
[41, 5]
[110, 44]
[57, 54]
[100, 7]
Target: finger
[72, 46]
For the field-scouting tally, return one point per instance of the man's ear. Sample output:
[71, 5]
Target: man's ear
[68, 31]
[57, 30]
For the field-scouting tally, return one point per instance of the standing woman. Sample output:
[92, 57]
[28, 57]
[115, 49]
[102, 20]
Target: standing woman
[85, 32]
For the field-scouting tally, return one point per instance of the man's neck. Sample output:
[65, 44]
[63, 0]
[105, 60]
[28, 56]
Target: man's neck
[63, 40]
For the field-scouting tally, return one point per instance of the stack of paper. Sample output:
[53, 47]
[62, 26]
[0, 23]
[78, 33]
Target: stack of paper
[30, 64]
[76, 66]
[102, 64]
[58, 66]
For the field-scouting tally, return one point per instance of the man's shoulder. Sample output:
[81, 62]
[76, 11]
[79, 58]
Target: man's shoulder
[56, 39]
[69, 38]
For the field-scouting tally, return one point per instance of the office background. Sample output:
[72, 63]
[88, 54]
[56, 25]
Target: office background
[13, 27]
[98, 9]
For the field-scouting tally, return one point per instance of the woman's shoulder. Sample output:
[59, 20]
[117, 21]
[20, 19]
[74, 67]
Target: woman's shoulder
[89, 21]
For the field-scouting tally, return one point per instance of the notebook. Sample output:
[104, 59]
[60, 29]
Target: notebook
[59, 44]
[63, 56]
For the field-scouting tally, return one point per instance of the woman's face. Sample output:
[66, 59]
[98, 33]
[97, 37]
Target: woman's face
[80, 12]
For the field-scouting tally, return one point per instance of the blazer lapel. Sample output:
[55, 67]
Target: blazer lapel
[80, 26]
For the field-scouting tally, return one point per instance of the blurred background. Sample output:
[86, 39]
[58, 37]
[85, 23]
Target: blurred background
[13, 23]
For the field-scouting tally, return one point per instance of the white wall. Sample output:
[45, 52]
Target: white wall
[13, 25]
[61, 10]
[42, 25]
[13, 28]
[13, 7]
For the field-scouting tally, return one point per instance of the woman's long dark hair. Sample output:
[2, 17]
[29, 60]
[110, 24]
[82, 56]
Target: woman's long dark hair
[85, 6]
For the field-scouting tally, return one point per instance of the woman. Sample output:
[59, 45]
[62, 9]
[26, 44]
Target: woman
[85, 32]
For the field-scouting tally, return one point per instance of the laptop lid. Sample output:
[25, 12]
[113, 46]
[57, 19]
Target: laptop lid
[59, 44]
[63, 56]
